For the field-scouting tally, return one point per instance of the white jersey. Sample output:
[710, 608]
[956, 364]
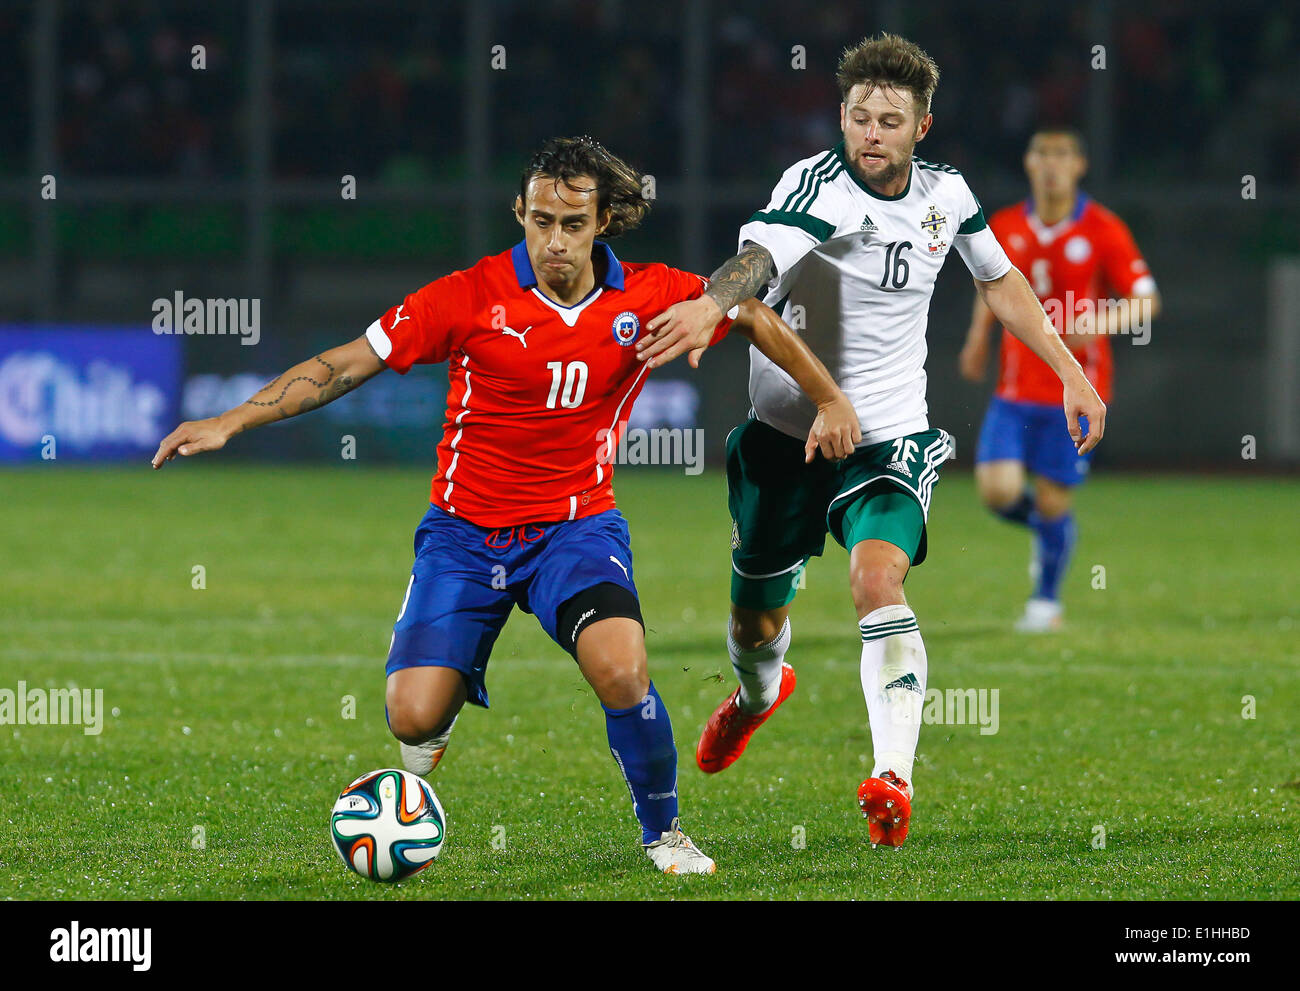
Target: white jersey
[855, 271]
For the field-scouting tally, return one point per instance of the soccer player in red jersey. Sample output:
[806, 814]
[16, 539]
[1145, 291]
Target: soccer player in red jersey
[539, 345]
[1094, 283]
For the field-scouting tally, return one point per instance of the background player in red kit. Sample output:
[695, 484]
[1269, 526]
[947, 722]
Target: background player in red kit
[539, 342]
[1094, 283]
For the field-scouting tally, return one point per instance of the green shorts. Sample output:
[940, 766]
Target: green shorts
[782, 508]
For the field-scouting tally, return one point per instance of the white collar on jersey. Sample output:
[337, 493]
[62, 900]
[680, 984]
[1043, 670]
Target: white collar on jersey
[569, 314]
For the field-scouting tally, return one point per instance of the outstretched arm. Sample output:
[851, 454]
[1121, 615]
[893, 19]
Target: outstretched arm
[303, 387]
[689, 326]
[836, 430]
[1014, 304]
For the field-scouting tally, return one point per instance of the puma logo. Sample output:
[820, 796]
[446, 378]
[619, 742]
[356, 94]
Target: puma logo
[620, 564]
[519, 334]
[398, 318]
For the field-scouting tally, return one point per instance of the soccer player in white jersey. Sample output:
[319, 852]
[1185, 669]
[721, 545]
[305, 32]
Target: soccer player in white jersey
[847, 250]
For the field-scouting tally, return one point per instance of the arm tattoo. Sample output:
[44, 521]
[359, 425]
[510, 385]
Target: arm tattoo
[741, 277]
[330, 389]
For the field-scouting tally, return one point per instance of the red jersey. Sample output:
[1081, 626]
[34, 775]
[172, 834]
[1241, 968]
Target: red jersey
[1084, 258]
[538, 391]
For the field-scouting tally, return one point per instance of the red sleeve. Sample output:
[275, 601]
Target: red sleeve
[426, 327]
[681, 286]
[1122, 262]
[1000, 225]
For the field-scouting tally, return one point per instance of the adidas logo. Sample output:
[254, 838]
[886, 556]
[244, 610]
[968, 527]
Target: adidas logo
[908, 681]
[899, 466]
[868, 226]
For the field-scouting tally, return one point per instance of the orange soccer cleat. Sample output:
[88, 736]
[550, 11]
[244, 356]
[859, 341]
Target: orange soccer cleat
[886, 804]
[728, 730]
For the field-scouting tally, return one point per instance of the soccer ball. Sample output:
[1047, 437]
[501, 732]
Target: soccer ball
[388, 824]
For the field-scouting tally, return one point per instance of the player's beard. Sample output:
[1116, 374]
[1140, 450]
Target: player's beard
[893, 171]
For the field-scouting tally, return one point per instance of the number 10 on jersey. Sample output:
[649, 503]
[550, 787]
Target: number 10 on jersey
[575, 384]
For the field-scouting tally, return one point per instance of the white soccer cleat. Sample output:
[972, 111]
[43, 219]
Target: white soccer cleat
[1041, 616]
[422, 758]
[674, 853]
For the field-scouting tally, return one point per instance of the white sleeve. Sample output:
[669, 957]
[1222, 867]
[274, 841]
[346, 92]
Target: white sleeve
[798, 217]
[978, 248]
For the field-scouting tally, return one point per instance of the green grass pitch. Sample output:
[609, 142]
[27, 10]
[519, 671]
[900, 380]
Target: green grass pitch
[228, 715]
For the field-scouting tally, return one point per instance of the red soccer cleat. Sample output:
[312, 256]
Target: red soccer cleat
[886, 804]
[728, 730]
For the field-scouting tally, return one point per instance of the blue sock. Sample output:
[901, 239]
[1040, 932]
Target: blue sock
[1019, 511]
[641, 740]
[1055, 540]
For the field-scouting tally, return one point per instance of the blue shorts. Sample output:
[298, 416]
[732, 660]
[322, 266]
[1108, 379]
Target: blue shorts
[467, 578]
[1036, 435]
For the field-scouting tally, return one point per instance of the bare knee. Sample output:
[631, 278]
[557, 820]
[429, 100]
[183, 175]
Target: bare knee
[875, 587]
[752, 628]
[414, 721]
[1000, 484]
[620, 682]
[621, 685]
[420, 707]
[876, 576]
[999, 498]
[1051, 499]
[612, 657]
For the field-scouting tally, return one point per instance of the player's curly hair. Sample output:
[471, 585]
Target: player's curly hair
[618, 185]
[888, 60]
